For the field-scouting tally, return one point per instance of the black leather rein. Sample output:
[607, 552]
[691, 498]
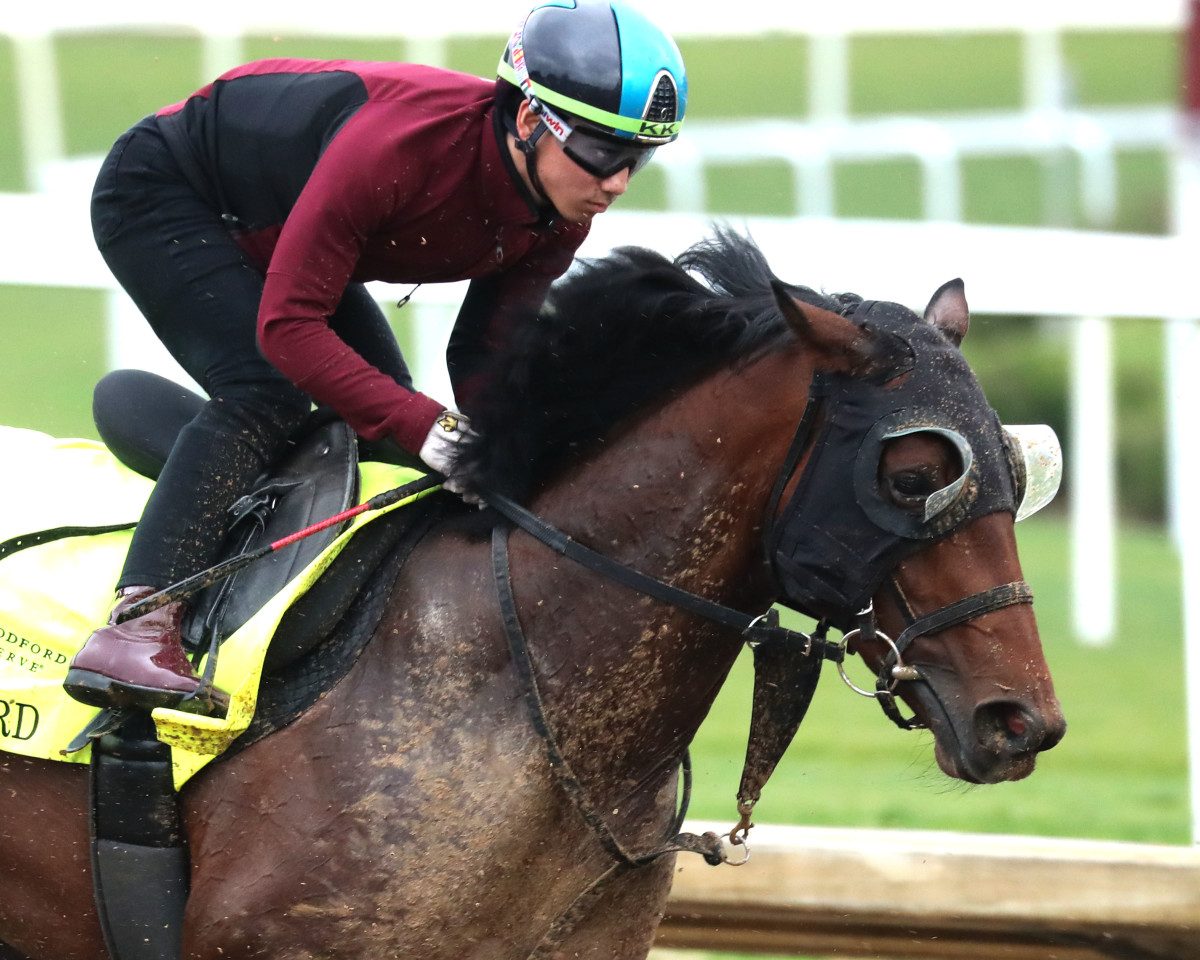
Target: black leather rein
[756, 629]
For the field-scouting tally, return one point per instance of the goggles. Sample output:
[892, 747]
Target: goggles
[1037, 461]
[598, 155]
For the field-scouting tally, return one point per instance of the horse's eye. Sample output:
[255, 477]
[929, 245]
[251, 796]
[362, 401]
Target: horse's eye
[910, 488]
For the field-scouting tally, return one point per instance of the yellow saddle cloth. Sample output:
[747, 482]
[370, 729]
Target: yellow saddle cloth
[52, 596]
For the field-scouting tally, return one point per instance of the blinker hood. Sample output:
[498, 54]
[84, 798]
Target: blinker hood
[839, 535]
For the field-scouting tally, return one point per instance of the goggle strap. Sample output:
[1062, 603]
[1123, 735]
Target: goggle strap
[554, 123]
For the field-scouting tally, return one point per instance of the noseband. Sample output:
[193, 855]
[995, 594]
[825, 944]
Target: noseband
[894, 669]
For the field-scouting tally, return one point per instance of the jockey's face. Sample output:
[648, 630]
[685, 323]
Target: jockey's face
[575, 193]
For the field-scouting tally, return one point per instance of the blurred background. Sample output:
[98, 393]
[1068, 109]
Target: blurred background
[802, 123]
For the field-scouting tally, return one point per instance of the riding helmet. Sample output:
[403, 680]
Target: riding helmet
[602, 63]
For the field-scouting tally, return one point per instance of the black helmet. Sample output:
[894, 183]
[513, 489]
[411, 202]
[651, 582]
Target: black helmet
[602, 70]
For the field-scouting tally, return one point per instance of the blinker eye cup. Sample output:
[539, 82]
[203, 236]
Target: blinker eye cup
[1036, 456]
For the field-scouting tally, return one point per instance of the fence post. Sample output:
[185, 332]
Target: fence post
[1092, 483]
[1183, 401]
[38, 104]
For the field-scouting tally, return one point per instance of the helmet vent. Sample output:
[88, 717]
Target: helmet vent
[664, 102]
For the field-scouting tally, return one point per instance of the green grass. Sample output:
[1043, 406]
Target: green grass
[920, 74]
[11, 175]
[1120, 773]
[1122, 67]
[53, 354]
[141, 72]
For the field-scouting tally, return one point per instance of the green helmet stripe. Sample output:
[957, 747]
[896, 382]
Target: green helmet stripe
[641, 129]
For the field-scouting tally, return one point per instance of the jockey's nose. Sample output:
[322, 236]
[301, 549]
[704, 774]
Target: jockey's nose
[618, 183]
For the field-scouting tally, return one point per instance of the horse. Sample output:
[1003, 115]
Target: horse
[686, 420]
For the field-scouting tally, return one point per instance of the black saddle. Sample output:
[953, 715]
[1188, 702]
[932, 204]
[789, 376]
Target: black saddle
[139, 416]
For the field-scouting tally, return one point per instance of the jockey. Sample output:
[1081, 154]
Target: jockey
[245, 221]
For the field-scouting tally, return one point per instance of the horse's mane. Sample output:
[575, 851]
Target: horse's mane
[615, 336]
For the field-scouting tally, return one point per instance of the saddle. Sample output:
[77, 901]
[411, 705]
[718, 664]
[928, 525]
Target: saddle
[321, 477]
[318, 479]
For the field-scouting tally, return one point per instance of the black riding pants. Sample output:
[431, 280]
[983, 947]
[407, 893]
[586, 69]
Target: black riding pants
[171, 251]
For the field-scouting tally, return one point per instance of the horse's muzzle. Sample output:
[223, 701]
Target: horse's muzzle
[996, 740]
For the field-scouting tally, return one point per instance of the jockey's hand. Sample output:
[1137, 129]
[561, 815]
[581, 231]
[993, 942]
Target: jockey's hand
[440, 449]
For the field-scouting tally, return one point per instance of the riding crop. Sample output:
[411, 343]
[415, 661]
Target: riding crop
[189, 587]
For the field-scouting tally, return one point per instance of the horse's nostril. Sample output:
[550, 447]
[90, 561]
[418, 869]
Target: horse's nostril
[1008, 727]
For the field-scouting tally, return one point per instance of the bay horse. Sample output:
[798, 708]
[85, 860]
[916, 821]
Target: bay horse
[695, 420]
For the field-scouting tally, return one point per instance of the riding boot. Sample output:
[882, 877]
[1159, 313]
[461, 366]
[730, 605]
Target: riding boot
[138, 664]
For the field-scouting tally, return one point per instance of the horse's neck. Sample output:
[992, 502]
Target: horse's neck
[681, 497]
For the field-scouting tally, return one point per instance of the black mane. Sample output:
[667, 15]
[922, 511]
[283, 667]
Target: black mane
[616, 335]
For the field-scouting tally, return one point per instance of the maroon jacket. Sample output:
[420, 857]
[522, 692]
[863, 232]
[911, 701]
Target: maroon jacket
[335, 172]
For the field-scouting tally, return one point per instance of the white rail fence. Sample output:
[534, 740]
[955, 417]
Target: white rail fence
[421, 32]
[1047, 128]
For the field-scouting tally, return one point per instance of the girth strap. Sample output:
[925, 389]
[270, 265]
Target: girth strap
[708, 845]
[139, 857]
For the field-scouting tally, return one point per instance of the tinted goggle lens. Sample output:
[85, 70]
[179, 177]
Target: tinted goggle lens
[604, 158]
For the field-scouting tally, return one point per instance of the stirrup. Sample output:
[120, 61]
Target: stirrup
[97, 690]
[206, 700]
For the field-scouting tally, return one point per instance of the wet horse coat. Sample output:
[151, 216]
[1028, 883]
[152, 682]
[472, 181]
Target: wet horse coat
[412, 811]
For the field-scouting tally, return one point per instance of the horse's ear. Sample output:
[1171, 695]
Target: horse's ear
[948, 311]
[846, 345]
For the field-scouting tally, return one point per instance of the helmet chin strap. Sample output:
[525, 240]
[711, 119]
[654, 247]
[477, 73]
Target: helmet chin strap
[528, 148]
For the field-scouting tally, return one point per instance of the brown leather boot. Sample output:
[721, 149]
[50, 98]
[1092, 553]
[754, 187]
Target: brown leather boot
[137, 664]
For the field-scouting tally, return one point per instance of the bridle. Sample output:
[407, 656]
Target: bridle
[893, 670]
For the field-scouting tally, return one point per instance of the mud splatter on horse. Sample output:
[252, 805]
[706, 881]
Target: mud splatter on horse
[652, 415]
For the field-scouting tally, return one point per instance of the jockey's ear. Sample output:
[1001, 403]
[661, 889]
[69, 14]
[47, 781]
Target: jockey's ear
[841, 344]
[948, 311]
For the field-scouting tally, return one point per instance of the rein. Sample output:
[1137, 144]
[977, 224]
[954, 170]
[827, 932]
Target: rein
[762, 632]
[708, 845]
[756, 629]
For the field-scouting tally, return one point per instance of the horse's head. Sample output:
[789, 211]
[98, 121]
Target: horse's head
[901, 486]
[912, 551]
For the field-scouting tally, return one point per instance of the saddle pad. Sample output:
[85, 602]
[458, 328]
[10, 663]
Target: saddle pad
[53, 595]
